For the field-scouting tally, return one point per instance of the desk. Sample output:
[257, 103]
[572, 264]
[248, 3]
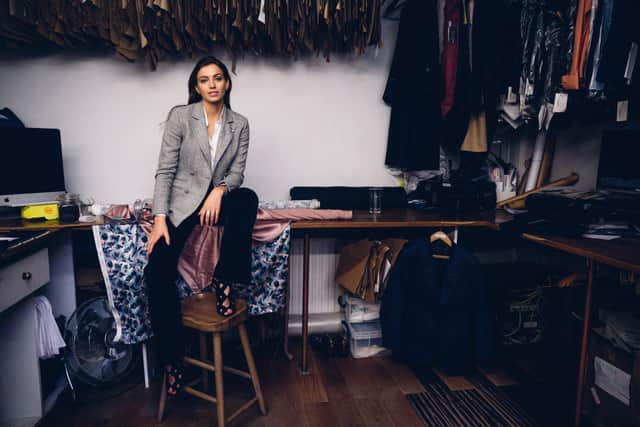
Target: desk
[23, 225]
[395, 219]
[44, 266]
[623, 254]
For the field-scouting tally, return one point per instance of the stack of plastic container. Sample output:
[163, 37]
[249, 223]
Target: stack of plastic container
[362, 324]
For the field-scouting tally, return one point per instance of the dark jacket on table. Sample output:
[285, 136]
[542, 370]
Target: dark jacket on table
[435, 311]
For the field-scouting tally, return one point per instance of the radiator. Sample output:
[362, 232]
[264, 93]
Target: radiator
[323, 291]
[325, 315]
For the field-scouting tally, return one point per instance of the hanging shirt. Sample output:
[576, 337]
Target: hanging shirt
[213, 139]
[449, 53]
[581, 40]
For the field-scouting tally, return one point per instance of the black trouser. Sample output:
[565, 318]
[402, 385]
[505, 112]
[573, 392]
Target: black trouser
[238, 215]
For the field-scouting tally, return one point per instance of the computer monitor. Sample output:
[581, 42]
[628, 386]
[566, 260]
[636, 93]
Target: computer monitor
[619, 166]
[31, 169]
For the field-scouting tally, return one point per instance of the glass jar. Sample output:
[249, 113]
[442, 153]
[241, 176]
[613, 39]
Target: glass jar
[69, 207]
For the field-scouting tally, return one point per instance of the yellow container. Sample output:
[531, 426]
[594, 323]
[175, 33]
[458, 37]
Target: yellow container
[48, 211]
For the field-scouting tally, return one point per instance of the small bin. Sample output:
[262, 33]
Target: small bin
[365, 339]
[357, 310]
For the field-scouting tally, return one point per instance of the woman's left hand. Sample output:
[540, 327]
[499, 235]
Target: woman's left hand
[210, 211]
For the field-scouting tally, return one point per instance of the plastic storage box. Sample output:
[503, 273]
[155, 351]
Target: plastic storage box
[358, 310]
[365, 339]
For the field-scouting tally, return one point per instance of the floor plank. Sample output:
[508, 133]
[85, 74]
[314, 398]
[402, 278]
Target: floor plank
[400, 410]
[365, 377]
[404, 378]
[282, 393]
[454, 383]
[373, 412]
[498, 377]
[312, 385]
[347, 412]
[335, 383]
[321, 415]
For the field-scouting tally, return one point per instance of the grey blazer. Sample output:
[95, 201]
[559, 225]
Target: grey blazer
[184, 171]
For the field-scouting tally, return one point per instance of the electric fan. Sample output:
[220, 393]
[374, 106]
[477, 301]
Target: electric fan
[92, 357]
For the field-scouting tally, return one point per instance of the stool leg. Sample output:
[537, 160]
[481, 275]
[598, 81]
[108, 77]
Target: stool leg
[217, 355]
[203, 357]
[163, 396]
[252, 366]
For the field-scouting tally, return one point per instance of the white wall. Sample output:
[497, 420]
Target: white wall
[312, 122]
[577, 150]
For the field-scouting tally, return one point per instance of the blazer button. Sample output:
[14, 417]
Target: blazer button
[186, 191]
[427, 69]
[193, 173]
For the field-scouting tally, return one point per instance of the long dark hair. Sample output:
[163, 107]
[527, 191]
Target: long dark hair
[193, 79]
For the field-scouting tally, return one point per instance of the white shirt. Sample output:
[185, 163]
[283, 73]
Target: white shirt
[213, 140]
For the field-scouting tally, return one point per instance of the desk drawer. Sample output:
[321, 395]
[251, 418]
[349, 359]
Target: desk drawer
[19, 279]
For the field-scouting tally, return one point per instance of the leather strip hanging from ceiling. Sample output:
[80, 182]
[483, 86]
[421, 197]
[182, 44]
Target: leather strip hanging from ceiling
[159, 29]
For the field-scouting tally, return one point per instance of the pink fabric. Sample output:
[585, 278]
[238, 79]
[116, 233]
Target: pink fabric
[300, 214]
[200, 256]
[202, 248]
[270, 223]
[119, 212]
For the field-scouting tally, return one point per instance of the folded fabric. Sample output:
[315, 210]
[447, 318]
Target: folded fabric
[202, 249]
[49, 340]
[289, 204]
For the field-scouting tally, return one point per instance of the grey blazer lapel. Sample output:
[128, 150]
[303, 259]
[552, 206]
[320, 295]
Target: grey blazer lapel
[226, 134]
[199, 129]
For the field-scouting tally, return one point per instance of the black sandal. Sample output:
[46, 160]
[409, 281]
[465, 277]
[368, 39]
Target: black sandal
[174, 380]
[225, 305]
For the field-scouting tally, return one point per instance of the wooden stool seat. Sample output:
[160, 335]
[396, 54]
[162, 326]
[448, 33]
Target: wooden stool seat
[199, 313]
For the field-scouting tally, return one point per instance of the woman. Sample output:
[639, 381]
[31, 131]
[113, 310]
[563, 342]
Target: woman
[201, 167]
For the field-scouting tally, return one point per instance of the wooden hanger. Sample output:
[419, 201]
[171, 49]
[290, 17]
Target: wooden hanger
[441, 236]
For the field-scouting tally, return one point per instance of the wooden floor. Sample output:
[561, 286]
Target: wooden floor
[339, 392]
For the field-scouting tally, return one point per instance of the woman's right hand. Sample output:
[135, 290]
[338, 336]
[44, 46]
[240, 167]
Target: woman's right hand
[159, 230]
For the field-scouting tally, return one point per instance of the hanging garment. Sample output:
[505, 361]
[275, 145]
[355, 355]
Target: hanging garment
[553, 56]
[49, 340]
[623, 33]
[582, 33]
[532, 34]
[601, 33]
[570, 24]
[479, 77]
[475, 140]
[414, 90]
[450, 47]
[436, 311]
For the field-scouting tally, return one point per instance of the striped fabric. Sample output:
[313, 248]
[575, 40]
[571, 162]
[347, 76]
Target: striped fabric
[484, 406]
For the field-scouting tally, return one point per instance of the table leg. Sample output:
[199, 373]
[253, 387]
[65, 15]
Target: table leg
[145, 365]
[305, 305]
[285, 341]
[585, 340]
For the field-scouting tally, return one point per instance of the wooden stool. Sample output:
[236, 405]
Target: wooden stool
[199, 313]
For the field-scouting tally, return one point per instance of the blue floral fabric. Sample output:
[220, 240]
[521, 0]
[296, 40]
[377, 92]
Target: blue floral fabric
[122, 253]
